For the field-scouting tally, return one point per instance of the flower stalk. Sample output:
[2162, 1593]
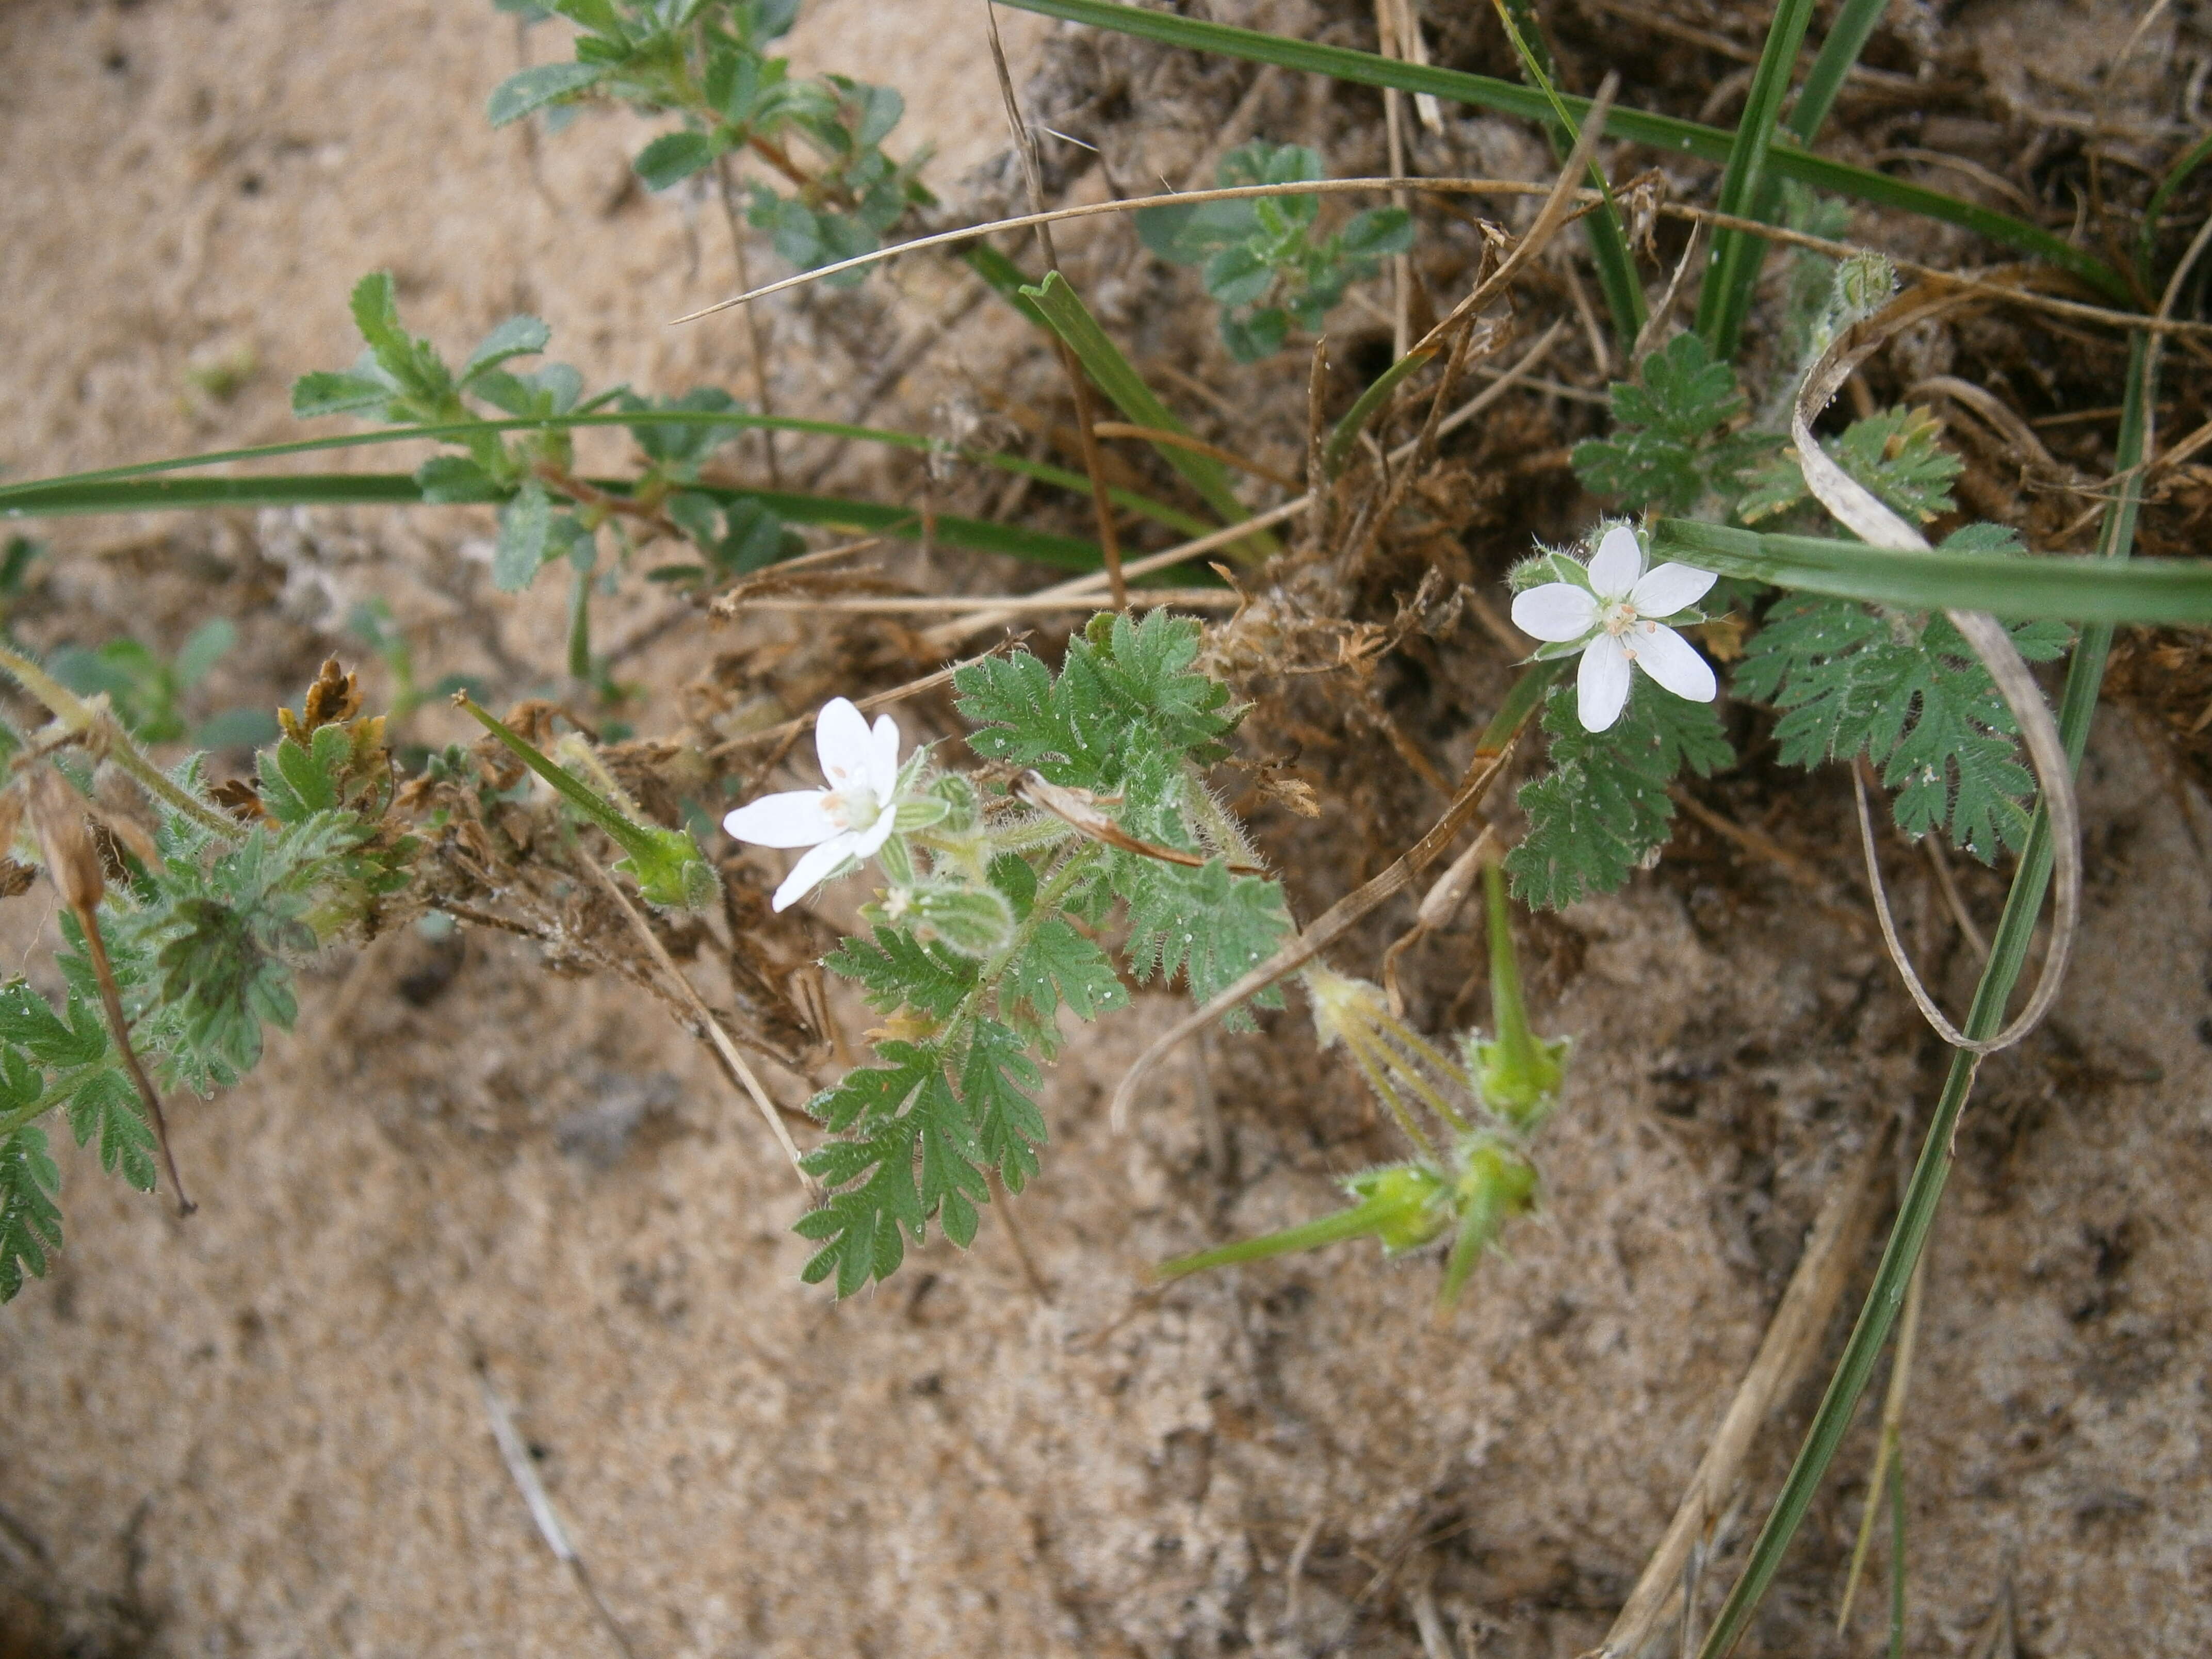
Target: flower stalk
[90, 722]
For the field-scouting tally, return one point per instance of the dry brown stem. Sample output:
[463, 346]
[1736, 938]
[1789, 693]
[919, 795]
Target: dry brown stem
[705, 1024]
[1859, 511]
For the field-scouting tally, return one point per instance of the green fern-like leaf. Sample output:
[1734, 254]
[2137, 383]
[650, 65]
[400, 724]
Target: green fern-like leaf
[1211, 926]
[30, 1221]
[917, 1158]
[897, 970]
[1125, 688]
[1058, 965]
[998, 1081]
[1910, 695]
[1602, 809]
[105, 1105]
[1898, 454]
[1670, 442]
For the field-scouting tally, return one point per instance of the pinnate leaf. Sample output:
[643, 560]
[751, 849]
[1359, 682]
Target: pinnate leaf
[1910, 695]
[1602, 808]
[1058, 965]
[30, 1221]
[105, 1105]
[1669, 443]
[898, 970]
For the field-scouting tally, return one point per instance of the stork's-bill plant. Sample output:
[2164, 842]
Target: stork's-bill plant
[996, 914]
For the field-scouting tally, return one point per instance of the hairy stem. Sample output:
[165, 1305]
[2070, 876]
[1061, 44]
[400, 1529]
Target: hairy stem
[111, 1002]
[99, 727]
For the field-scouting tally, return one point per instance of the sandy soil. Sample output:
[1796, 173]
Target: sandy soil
[261, 1431]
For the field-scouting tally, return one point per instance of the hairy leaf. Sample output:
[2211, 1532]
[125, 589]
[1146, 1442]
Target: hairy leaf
[998, 1081]
[909, 1113]
[1898, 454]
[1123, 687]
[105, 1105]
[1205, 924]
[1602, 810]
[1669, 444]
[30, 1221]
[1060, 966]
[1910, 695]
[899, 970]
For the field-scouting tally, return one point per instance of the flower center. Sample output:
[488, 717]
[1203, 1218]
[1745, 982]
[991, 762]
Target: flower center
[1617, 618]
[854, 807]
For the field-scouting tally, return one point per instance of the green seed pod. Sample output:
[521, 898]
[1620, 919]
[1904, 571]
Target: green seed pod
[973, 921]
[1401, 1200]
[963, 814]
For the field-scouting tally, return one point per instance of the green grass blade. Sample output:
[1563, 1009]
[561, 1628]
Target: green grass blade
[73, 497]
[1070, 319]
[1846, 39]
[1853, 26]
[1345, 432]
[2019, 588]
[13, 497]
[1006, 278]
[977, 535]
[1924, 1193]
[67, 498]
[1609, 251]
[2176, 176]
[1662, 131]
[1733, 269]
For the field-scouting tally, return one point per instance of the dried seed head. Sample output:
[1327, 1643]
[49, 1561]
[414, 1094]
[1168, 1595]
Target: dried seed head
[335, 696]
[65, 841]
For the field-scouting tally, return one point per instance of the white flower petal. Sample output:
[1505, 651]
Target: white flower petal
[863, 843]
[1555, 611]
[1619, 562]
[793, 819]
[883, 758]
[1601, 686]
[807, 874]
[1674, 663]
[1668, 588]
[843, 743]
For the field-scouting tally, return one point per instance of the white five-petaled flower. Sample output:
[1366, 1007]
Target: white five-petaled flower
[850, 819]
[1613, 622]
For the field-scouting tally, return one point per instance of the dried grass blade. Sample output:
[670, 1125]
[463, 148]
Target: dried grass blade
[1858, 509]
